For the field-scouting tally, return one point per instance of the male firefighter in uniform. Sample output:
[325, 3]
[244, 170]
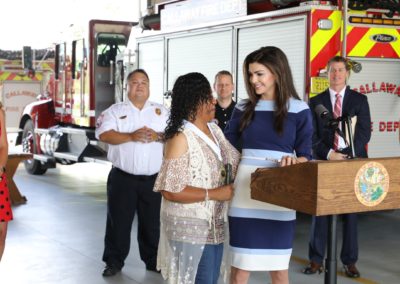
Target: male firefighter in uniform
[134, 130]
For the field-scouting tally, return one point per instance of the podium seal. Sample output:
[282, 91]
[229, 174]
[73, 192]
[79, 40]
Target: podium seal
[371, 184]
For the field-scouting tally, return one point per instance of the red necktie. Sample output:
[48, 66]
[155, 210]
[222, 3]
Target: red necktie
[337, 111]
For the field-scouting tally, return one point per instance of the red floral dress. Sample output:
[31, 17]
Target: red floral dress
[5, 203]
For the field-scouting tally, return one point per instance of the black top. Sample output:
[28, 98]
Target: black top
[222, 115]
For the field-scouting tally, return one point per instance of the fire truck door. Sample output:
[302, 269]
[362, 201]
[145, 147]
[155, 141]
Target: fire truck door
[106, 49]
[288, 34]
[15, 96]
[206, 53]
[80, 91]
[151, 59]
[60, 78]
[379, 81]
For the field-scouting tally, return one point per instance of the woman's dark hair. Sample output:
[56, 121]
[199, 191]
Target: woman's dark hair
[190, 91]
[276, 61]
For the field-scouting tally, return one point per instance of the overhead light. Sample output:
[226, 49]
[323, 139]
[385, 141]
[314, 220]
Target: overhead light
[373, 21]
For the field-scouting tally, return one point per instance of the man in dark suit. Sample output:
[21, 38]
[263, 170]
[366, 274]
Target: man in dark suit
[327, 145]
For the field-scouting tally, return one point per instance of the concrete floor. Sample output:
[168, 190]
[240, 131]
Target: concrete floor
[57, 236]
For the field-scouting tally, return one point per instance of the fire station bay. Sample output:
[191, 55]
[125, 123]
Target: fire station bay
[58, 172]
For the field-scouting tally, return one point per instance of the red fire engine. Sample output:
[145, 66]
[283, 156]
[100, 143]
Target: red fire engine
[59, 127]
[208, 36]
[217, 35]
[23, 76]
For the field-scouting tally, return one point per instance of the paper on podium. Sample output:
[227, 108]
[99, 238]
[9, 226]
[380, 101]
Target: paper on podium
[353, 127]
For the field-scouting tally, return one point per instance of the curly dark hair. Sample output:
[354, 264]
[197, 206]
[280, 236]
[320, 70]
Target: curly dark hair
[190, 91]
[276, 61]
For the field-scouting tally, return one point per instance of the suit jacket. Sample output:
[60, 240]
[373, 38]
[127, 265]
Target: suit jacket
[355, 104]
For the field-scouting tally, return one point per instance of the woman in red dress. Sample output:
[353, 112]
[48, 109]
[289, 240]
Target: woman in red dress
[5, 203]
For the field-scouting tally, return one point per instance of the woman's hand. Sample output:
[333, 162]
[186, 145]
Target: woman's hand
[290, 160]
[222, 193]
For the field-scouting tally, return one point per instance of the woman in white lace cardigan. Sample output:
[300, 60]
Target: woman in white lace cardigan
[192, 183]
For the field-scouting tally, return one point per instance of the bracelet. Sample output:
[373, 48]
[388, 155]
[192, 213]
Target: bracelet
[207, 198]
[157, 137]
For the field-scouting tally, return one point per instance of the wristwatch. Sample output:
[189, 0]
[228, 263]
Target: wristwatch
[160, 137]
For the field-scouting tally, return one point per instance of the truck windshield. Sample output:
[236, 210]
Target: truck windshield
[108, 46]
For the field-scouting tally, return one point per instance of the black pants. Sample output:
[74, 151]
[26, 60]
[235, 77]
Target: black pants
[127, 194]
[319, 235]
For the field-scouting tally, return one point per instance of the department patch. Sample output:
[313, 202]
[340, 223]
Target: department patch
[371, 184]
[158, 111]
[99, 120]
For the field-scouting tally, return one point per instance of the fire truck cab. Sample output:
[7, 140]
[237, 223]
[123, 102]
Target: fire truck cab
[59, 127]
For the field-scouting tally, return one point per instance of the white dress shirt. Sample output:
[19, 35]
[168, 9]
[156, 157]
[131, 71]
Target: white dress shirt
[332, 93]
[134, 157]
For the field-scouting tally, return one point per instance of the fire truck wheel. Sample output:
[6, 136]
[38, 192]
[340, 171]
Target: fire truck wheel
[29, 145]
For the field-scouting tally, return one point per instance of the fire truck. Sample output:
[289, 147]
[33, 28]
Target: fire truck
[23, 76]
[209, 36]
[59, 126]
[217, 35]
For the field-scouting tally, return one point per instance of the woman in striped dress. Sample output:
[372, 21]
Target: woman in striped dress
[274, 128]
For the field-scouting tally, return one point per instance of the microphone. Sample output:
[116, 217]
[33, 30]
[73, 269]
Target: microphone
[326, 116]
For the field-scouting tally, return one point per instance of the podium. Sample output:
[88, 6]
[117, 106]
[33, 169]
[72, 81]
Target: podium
[330, 188]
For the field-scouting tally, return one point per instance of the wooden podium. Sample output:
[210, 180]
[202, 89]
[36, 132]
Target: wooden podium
[330, 188]
[323, 187]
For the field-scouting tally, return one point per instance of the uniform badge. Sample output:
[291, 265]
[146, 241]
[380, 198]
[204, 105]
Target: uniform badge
[158, 111]
[100, 120]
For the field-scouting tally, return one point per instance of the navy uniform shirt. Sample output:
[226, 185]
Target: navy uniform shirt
[223, 115]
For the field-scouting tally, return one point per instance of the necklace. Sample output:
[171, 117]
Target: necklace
[210, 140]
[209, 134]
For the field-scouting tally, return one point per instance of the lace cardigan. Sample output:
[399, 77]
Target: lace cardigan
[186, 228]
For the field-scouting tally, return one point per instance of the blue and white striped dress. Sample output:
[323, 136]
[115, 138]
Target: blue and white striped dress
[261, 234]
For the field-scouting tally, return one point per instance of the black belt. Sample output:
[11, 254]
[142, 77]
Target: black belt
[139, 177]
